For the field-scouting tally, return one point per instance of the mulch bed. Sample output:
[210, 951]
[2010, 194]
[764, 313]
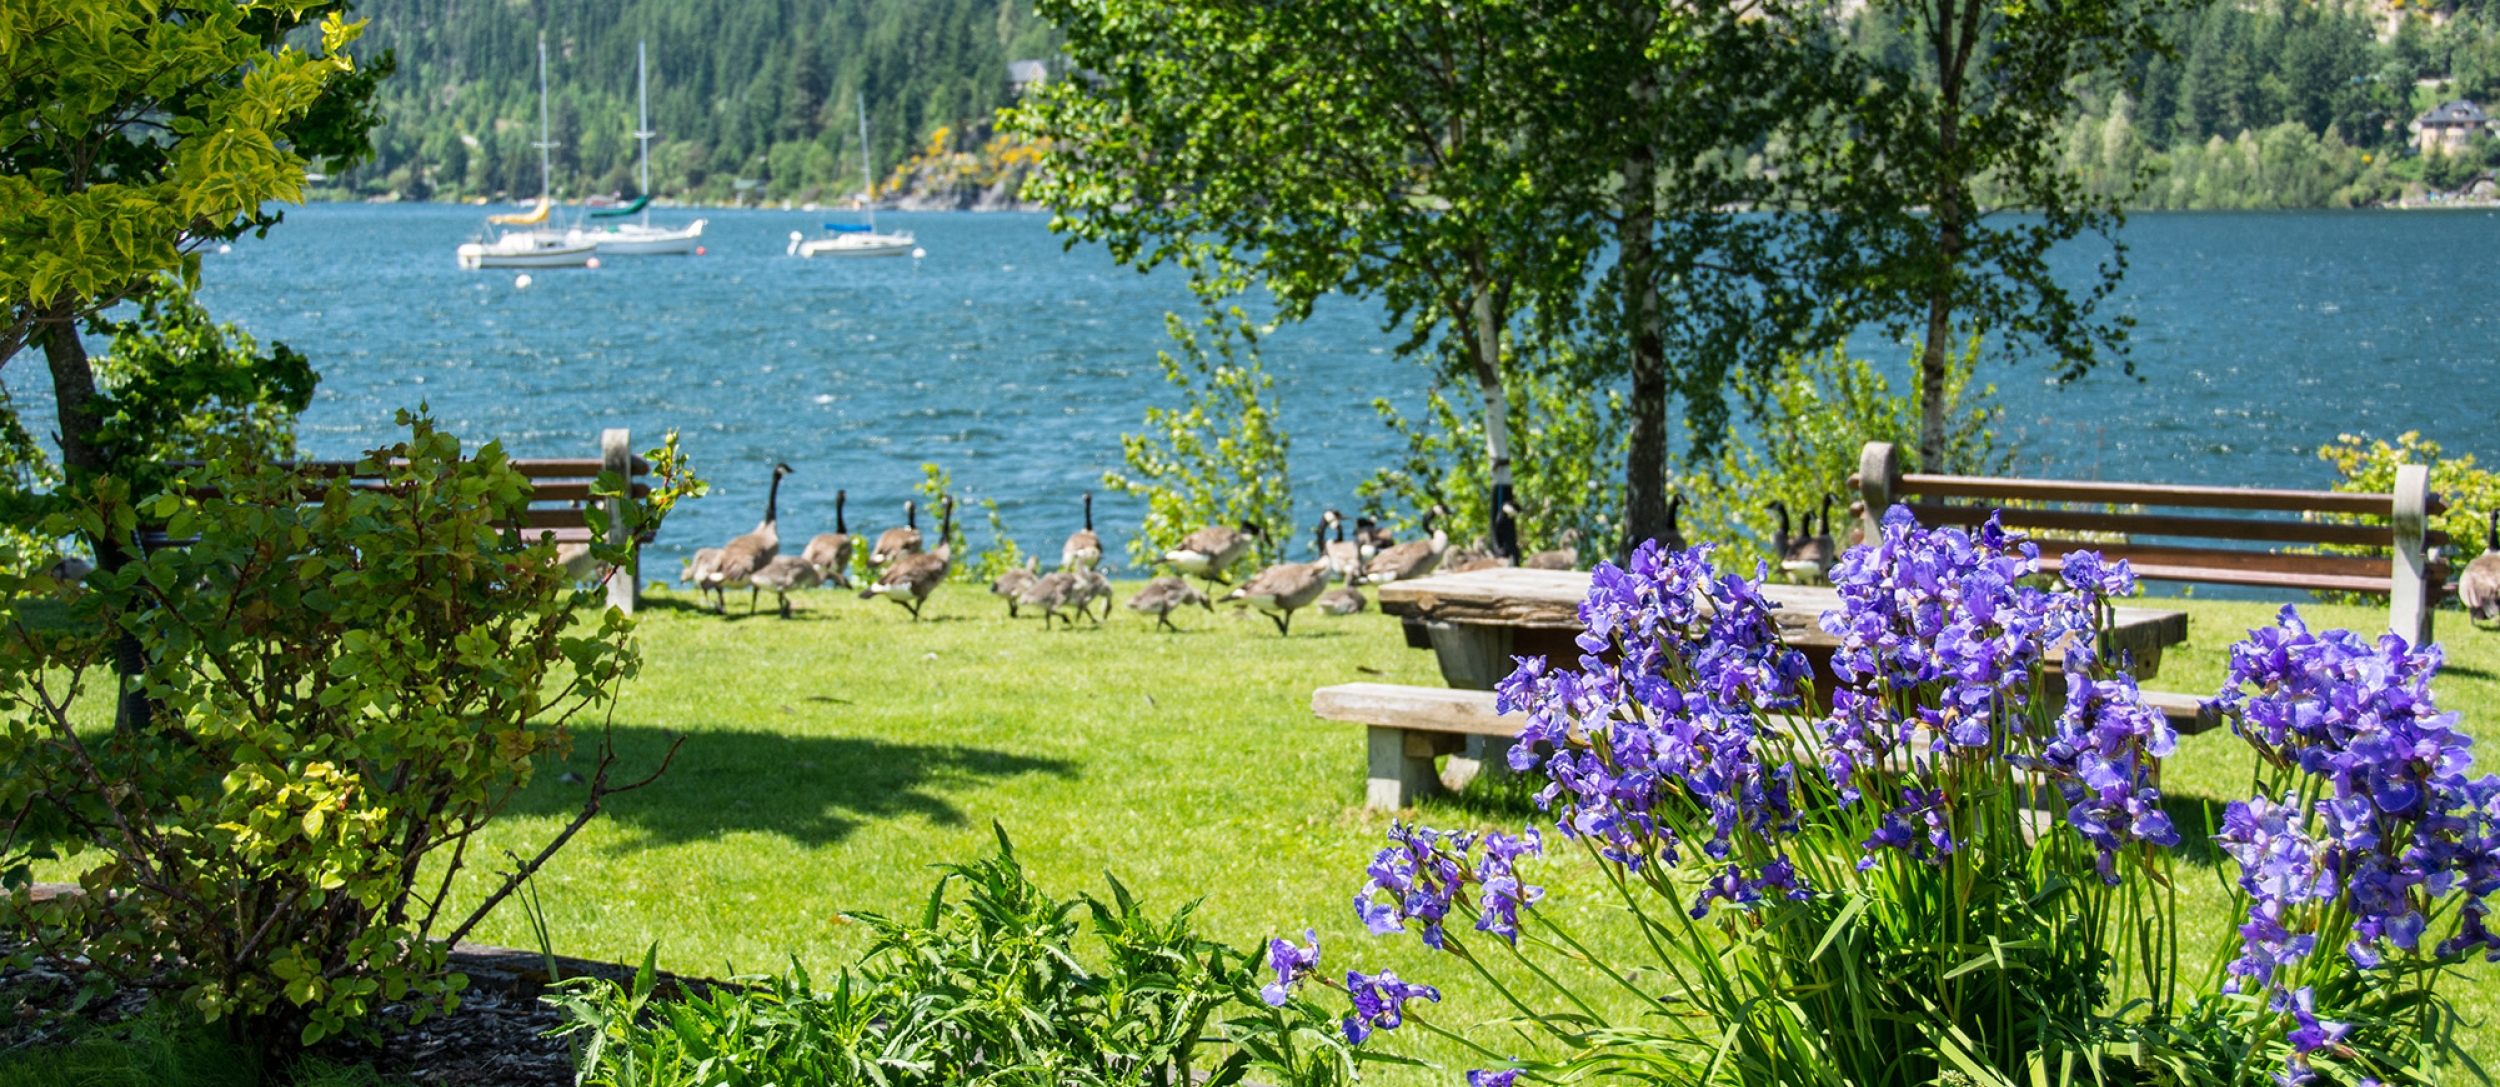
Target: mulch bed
[497, 1038]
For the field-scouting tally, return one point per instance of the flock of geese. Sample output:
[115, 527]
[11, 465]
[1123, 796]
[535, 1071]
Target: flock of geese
[907, 568]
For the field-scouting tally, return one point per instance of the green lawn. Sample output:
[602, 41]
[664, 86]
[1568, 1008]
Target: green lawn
[832, 758]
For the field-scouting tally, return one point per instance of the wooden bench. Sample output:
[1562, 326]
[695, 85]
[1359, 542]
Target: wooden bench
[560, 491]
[1408, 727]
[2179, 545]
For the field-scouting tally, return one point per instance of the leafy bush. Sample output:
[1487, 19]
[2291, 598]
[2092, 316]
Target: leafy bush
[1567, 451]
[1219, 458]
[1860, 893]
[2370, 466]
[179, 386]
[344, 691]
[985, 987]
[1810, 423]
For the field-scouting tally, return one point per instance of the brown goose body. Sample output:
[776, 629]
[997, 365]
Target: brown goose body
[1050, 592]
[1414, 558]
[909, 579]
[894, 543]
[1083, 549]
[1163, 595]
[1211, 551]
[742, 557]
[1011, 585]
[784, 575]
[1811, 554]
[830, 552]
[2478, 588]
[1286, 587]
[1345, 557]
[1342, 600]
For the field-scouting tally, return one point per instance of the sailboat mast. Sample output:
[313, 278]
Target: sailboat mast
[867, 175]
[545, 167]
[642, 127]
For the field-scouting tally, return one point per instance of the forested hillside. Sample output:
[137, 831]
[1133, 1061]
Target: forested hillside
[767, 90]
[2280, 103]
[2290, 104]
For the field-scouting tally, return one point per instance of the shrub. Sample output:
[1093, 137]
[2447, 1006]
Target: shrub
[1810, 423]
[1856, 892]
[1220, 458]
[985, 986]
[344, 691]
[1567, 451]
[2472, 493]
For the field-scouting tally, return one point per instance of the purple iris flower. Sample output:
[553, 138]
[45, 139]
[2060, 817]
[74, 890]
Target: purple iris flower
[1292, 964]
[1380, 1002]
[1482, 1078]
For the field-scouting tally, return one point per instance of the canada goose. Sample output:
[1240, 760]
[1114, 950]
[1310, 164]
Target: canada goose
[1286, 587]
[895, 543]
[784, 575]
[1013, 583]
[2479, 587]
[1566, 557]
[1091, 586]
[1414, 558]
[1780, 539]
[911, 578]
[1674, 539]
[701, 571]
[1050, 592]
[1810, 553]
[1083, 548]
[573, 557]
[1475, 556]
[742, 557]
[1162, 595]
[1345, 559]
[1211, 551]
[1370, 539]
[1342, 600]
[830, 552]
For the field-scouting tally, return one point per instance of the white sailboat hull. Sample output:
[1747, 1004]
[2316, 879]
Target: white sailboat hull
[637, 240]
[858, 245]
[527, 249]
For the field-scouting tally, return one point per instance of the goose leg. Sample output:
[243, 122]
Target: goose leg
[1165, 618]
[1283, 623]
[752, 594]
[785, 604]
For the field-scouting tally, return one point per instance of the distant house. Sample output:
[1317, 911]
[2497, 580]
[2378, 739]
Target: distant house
[2448, 127]
[1024, 75]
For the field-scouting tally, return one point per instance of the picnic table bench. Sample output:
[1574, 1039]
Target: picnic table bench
[560, 493]
[1475, 623]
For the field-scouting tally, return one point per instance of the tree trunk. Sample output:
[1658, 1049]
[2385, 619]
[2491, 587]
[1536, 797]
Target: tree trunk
[1488, 338]
[1951, 36]
[1645, 462]
[83, 459]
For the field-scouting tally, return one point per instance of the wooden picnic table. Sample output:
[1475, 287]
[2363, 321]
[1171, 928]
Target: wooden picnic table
[1476, 622]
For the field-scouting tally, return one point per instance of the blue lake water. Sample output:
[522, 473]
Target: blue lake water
[1017, 364]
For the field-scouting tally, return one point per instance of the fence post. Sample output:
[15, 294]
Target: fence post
[1878, 467]
[616, 454]
[2409, 599]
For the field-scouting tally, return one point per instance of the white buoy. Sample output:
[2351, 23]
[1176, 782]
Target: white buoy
[917, 253]
[591, 263]
[521, 282]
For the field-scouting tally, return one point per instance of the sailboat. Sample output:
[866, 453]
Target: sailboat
[856, 239]
[535, 245]
[639, 238]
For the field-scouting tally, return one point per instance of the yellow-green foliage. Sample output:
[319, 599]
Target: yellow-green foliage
[1219, 459]
[2472, 493]
[1812, 421]
[344, 692]
[91, 203]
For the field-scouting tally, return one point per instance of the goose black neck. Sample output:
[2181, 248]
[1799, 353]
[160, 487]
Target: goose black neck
[840, 525]
[1089, 512]
[2491, 533]
[772, 501]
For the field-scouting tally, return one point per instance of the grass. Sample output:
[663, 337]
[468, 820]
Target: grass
[832, 758]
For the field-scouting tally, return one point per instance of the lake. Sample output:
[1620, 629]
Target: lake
[1017, 364]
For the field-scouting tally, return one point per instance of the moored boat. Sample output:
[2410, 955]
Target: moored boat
[640, 239]
[536, 245]
[857, 239]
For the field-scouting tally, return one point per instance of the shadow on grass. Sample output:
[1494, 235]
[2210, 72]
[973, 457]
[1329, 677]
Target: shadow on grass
[814, 790]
